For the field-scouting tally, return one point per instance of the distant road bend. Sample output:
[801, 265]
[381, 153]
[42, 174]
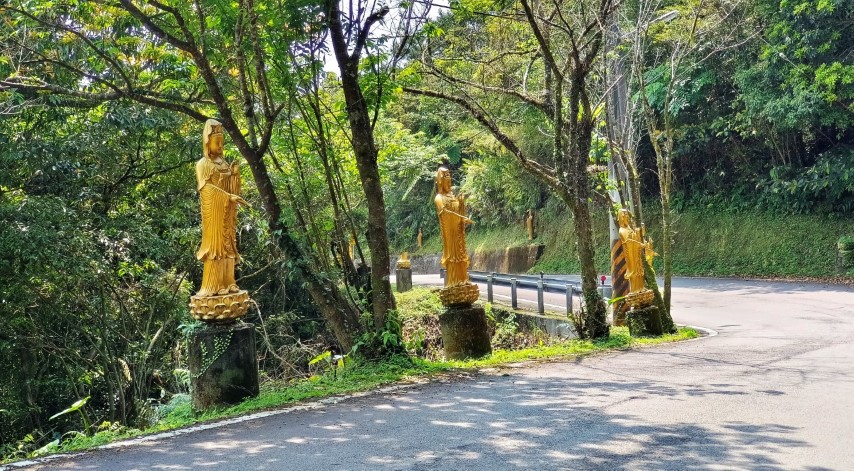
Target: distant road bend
[774, 390]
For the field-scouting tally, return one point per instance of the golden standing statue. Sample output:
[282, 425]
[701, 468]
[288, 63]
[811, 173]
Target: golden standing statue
[529, 223]
[452, 223]
[635, 247]
[218, 182]
[420, 238]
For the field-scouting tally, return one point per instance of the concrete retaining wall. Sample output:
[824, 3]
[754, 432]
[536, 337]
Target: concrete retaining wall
[555, 326]
[509, 260]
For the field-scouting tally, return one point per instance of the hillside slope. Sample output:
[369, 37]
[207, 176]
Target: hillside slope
[747, 244]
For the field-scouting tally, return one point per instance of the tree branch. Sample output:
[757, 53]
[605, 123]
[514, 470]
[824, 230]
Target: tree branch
[184, 45]
[544, 45]
[540, 105]
[365, 31]
[544, 173]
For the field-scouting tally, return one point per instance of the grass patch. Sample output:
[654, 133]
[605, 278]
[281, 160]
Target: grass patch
[618, 340]
[417, 308]
[756, 244]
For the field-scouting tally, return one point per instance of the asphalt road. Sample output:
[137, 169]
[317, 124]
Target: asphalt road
[774, 390]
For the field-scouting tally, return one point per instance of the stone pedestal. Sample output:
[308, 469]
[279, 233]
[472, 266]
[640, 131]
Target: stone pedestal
[645, 322]
[223, 364]
[464, 332]
[404, 279]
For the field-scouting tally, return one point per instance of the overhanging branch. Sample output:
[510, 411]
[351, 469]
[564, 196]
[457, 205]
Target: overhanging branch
[542, 172]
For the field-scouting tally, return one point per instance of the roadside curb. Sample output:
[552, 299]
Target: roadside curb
[707, 332]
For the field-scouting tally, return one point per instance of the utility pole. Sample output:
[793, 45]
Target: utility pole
[621, 142]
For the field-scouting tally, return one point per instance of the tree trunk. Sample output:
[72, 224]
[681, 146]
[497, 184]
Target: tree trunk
[596, 321]
[667, 236]
[366, 162]
[581, 137]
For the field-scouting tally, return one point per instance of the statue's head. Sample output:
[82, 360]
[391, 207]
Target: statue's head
[624, 218]
[212, 139]
[443, 180]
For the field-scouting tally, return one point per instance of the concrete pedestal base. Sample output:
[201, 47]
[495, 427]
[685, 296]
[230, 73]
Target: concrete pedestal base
[404, 279]
[464, 332]
[644, 322]
[223, 364]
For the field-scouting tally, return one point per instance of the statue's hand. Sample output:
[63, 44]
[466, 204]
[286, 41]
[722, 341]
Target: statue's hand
[468, 221]
[239, 200]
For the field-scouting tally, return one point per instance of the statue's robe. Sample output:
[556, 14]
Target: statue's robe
[455, 257]
[218, 250]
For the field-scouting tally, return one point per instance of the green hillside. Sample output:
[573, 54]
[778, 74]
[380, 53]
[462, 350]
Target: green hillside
[745, 244]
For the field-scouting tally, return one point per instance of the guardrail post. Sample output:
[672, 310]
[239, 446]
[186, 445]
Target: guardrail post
[541, 306]
[489, 286]
[569, 290]
[513, 302]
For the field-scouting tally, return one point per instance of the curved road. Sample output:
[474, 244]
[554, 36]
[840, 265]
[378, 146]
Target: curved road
[773, 391]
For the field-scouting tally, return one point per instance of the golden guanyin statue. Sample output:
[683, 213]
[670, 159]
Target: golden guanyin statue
[451, 210]
[403, 262]
[635, 248]
[218, 182]
[529, 223]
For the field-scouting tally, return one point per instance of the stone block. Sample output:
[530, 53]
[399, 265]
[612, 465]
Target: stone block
[645, 322]
[404, 279]
[223, 364]
[464, 332]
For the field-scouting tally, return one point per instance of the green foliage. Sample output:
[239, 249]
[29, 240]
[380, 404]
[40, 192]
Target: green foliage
[96, 223]
[221, 343]
[557, 233]
[408, 162]
[500, 190]
[845, 243]
[506, 329]
[802, 77]
[824, 187]
[76, 407]
[375, 344]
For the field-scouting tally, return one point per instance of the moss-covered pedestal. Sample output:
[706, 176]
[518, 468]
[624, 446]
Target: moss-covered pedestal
[223, 364]
[464, 332]
[644, 322]
[403, 279]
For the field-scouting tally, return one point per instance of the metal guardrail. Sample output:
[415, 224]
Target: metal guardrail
[541, 283]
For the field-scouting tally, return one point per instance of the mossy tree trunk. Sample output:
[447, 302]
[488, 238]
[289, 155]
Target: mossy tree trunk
[649, 280]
